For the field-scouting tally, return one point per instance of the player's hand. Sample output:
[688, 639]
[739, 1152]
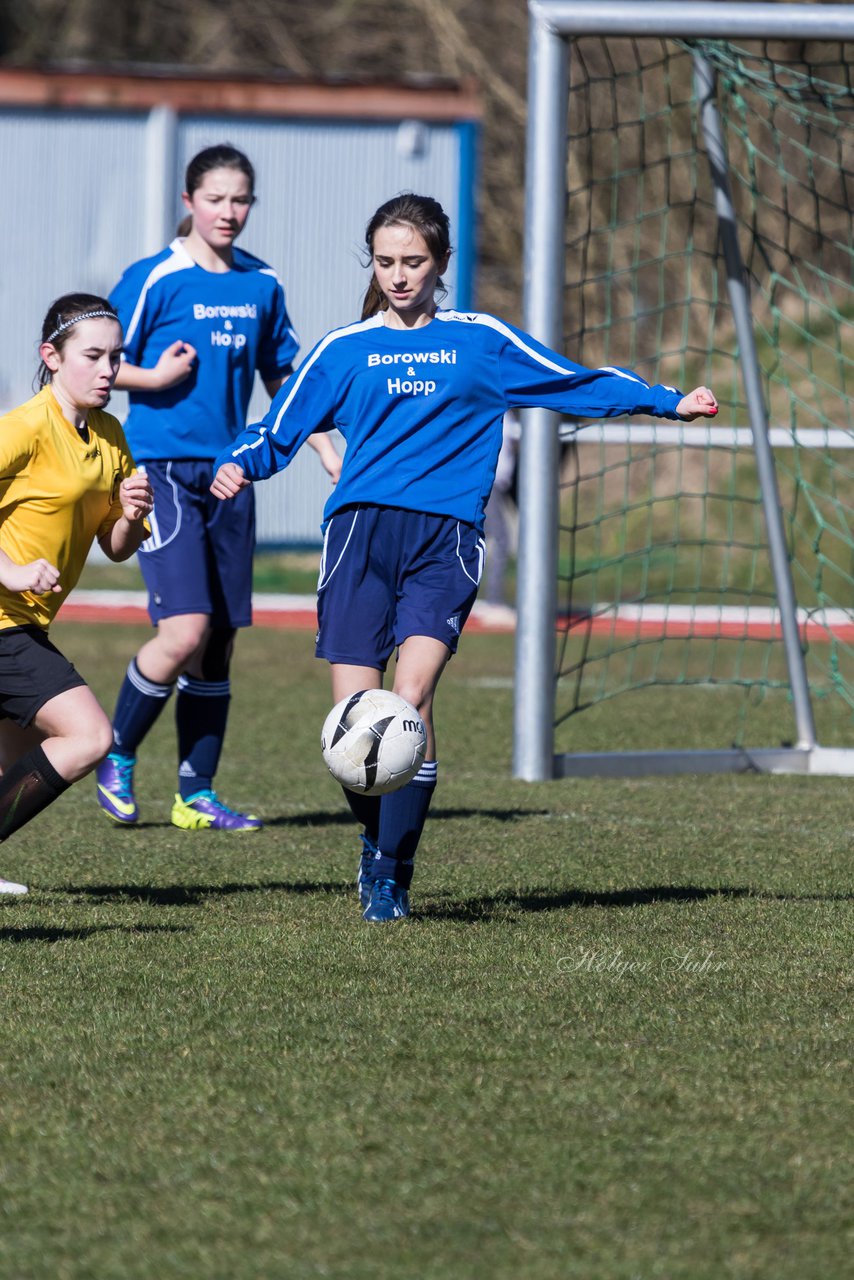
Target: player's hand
[229, 480]
[175, 364]
[699, 403]
[332, 465]
[136, 497]
[327, 453]
[40, 576]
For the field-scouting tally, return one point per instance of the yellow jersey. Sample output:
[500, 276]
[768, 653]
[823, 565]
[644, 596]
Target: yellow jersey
[58, 493]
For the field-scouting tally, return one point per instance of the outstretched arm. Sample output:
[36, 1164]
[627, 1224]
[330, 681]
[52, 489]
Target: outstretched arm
[699, 403]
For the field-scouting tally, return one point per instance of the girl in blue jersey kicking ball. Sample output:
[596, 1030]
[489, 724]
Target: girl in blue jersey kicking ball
[199, 318]
[419, 393]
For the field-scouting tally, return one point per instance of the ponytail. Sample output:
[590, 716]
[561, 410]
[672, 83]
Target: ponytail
[374, 300]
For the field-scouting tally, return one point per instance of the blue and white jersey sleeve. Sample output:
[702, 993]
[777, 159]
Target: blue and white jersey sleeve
[279, 345]
[304, 405]
[422, 409]
[534, 376]
[135, 310]
[237, 323]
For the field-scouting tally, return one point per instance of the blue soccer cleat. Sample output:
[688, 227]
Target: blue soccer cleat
[365, 878]
[206, 812]
[114, 777]
[389, 901]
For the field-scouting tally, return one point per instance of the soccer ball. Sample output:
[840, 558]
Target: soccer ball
[373, 742]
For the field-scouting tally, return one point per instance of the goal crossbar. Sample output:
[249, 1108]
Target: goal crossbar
[692, 20]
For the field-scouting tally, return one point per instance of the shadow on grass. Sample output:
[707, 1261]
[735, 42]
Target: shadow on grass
[483, 908]
[346, 819]
[323, 818]
[42, 933]
[320, 819]
[435, 908]
[343, 818]
[192, 895]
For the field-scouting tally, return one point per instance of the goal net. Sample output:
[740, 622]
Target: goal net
[666, 597]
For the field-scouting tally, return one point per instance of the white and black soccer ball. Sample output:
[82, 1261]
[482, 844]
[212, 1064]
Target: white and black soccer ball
[373, 742]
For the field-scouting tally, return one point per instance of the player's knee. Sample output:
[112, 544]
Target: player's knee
[216, 658]
[416, 694]
[102, 743]
[180, 638]
[93, 741]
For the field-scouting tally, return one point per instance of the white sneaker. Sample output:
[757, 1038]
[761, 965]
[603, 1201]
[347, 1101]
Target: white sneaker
[9, 886]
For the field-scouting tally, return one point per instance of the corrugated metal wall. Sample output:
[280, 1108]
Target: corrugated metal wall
[75, 215]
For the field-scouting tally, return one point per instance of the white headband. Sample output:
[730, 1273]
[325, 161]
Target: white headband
[87, 315]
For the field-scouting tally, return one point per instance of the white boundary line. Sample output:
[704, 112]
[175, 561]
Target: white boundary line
[272, 602]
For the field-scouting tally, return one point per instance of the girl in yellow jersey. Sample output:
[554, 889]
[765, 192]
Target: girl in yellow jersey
[66, 478]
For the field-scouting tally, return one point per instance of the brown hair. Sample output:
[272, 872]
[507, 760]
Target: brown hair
[222, 156]
[62, 315]
[426, 216]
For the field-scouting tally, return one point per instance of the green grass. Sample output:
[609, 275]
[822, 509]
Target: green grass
[612, 1042]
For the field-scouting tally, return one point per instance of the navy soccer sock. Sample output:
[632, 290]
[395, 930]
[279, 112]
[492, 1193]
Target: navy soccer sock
[138, 705]
[29, 786]
[201, 714]
[402, 817]
[366, 811]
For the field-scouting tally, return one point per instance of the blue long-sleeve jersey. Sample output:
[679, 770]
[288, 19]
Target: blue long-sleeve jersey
[422, 409]
[237, 321]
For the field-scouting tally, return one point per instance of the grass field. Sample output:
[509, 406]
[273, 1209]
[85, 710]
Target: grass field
[614, 1040]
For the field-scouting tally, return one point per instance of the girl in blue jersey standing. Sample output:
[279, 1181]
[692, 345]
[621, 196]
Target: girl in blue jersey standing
[199, 318]
[419, 393]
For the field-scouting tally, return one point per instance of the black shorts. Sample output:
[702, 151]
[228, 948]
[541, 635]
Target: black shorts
[32, 671]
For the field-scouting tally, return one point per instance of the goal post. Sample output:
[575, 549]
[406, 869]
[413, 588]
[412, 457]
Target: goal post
[554, 27]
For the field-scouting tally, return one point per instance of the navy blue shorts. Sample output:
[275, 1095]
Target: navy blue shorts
[387, 574]
[199, 556]
[32, 671]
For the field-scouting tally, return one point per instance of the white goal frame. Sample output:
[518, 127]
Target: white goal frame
[553, 26]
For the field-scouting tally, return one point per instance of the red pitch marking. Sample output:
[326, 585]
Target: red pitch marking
[810, 632]
[304, 618]
[277, 619]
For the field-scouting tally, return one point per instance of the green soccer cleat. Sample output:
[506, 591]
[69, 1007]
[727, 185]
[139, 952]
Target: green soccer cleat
[206, 812]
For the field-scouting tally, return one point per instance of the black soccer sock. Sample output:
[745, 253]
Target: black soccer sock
[366, 810]
[402, 817]
[29, 786]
